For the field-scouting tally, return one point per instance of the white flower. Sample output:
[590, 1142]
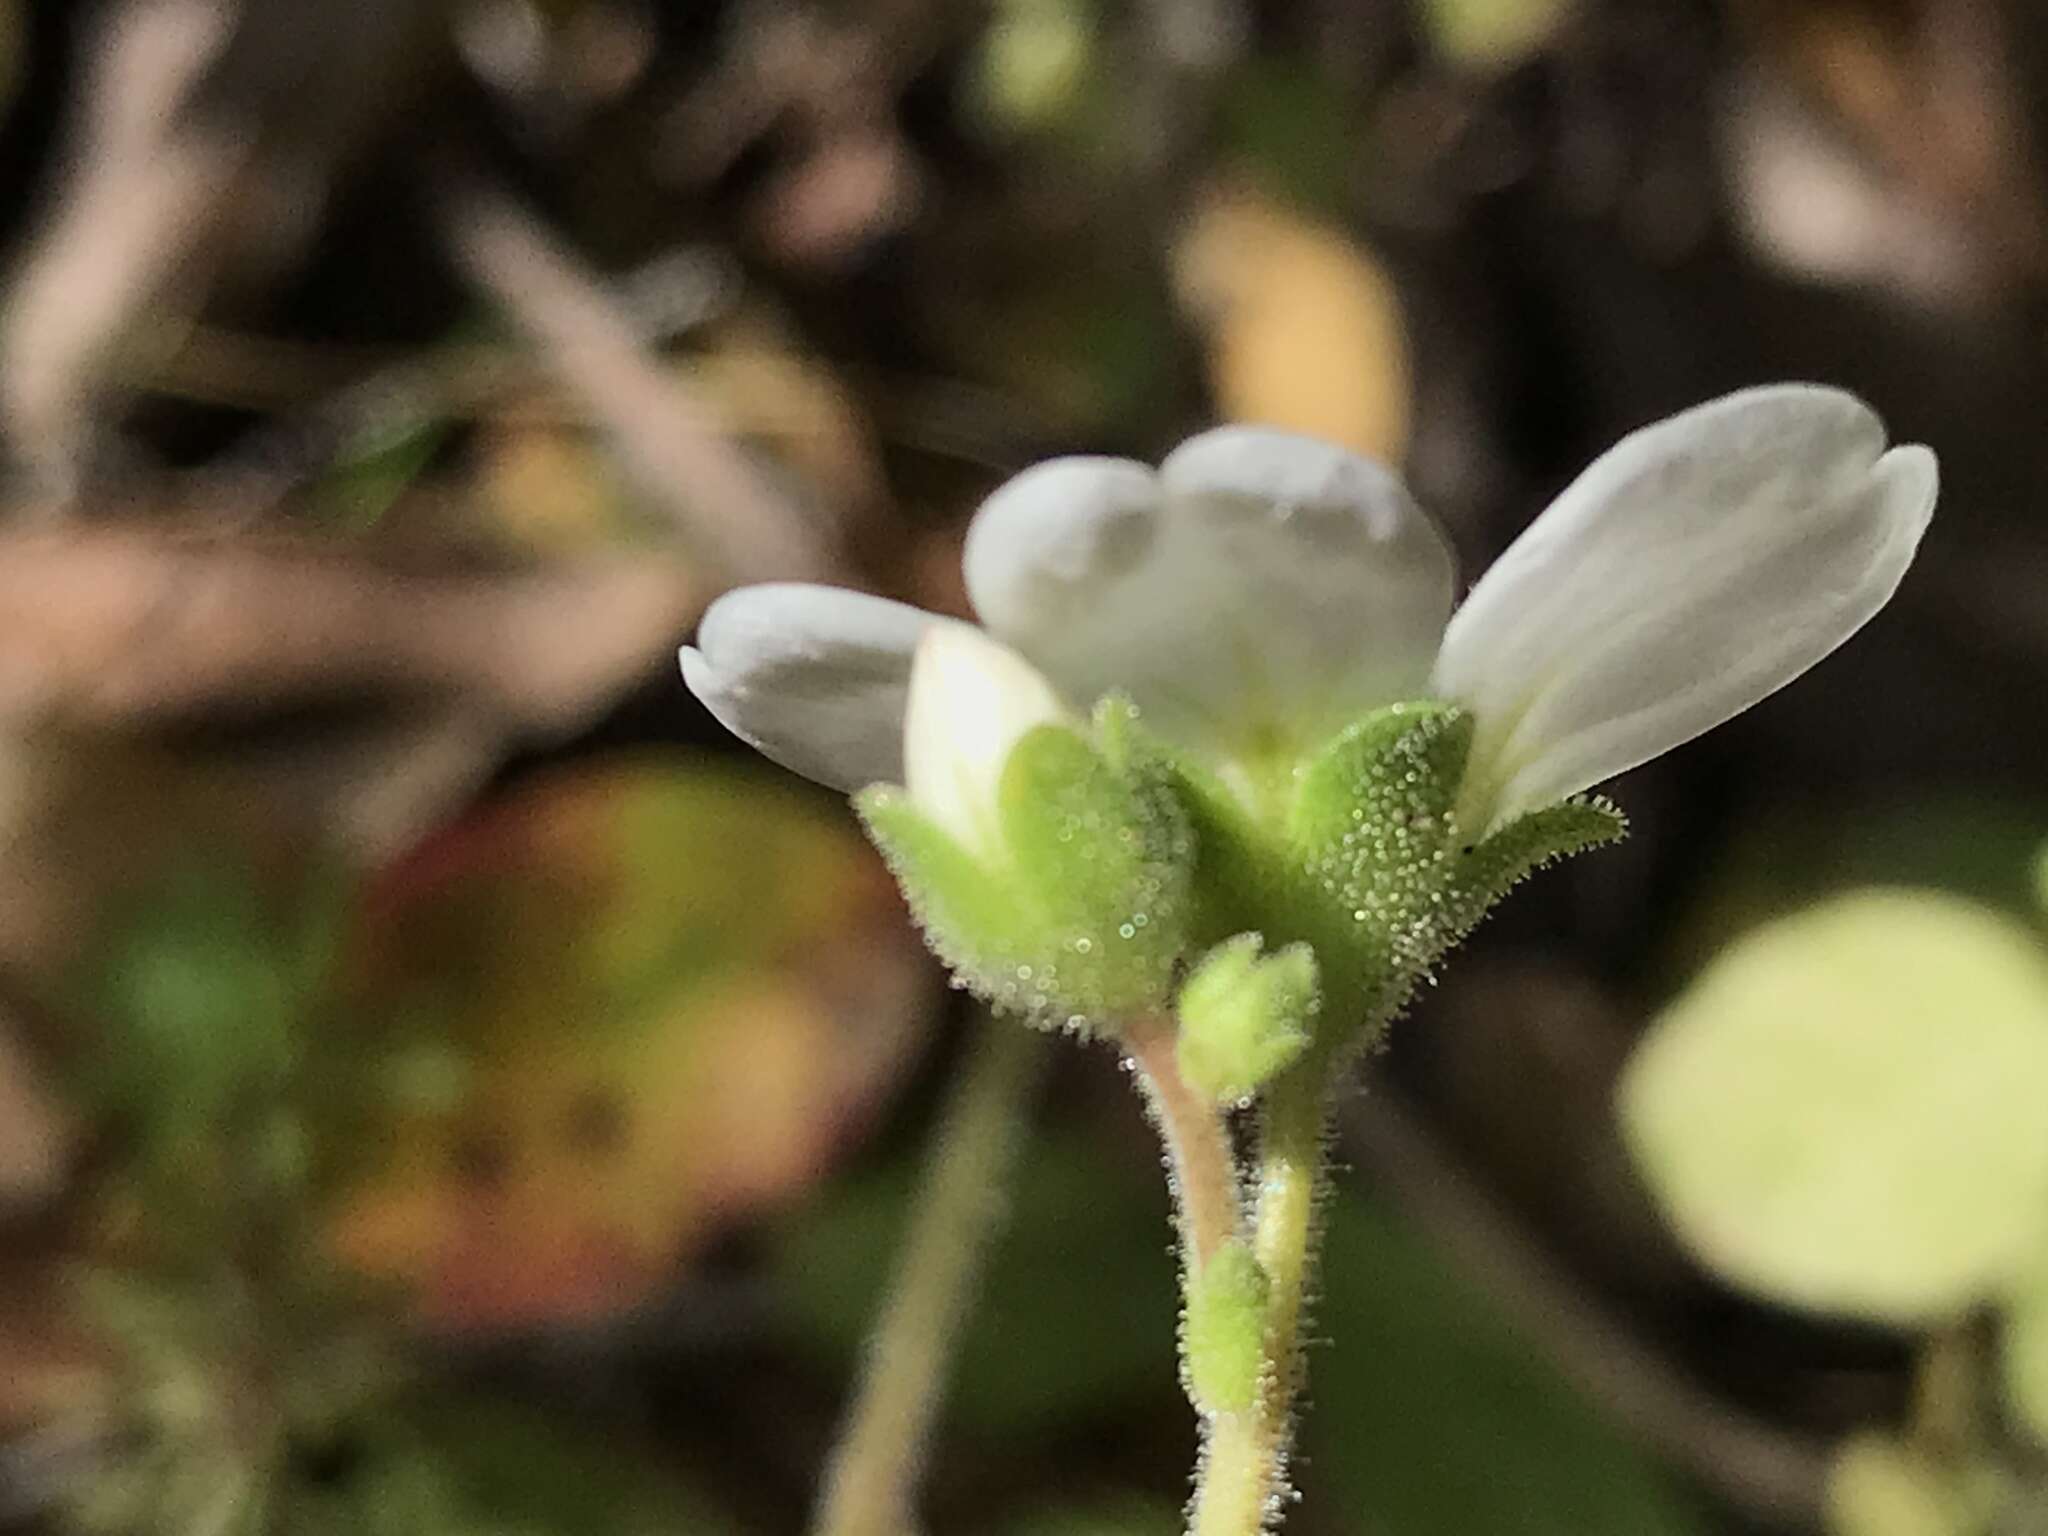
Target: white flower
[1260, 590]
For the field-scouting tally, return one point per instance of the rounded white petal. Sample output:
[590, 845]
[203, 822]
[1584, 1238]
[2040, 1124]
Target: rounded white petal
[1260, 589]
[971, 701]
[814, 677]
[1696, 567]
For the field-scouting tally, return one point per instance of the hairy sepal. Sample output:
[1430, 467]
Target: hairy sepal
[1082, 919]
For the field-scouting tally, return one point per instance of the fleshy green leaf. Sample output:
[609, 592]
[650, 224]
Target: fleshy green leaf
[1245, 1017]
[1844, 1111]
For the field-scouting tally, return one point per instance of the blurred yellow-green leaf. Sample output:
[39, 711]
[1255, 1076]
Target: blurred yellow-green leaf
[1844, 1111]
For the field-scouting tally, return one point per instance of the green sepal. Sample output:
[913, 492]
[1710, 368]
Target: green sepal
[1243, 875]
[1387, 879]
[1224, 1335]
[1372, 829]
[1245, 1016]
[1517, 850]
[1083, 919]
[1103, 853]
[970, 918]
[1397, 771]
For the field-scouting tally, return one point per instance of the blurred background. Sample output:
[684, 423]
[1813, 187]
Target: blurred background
[447, 1086]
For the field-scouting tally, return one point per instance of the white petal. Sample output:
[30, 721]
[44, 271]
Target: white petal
[1261, 589]
[814, 677]
[971, 701]
[1696, 567]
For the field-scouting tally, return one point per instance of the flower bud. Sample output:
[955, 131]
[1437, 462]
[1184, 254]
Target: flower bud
[1245, 1017]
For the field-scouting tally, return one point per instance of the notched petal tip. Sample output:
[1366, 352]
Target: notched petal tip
[1045, 543]
[1911, 476]
[1289, 474]
[1697, 567]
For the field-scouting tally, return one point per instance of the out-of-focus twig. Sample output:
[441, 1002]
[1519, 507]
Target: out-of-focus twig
[1771, 1473]
[209, 135]
[667, 435]
[35, 1134]
[378, 788]
[120, 625]
[871, 1486]
[136, 197]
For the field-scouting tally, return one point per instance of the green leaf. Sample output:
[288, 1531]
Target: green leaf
[1434, 1417]
[1224, 1331]
[1245, 1017]
[1844, 1111]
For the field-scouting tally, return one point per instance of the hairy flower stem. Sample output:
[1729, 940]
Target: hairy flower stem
[871, 1483]
[1242, 1481]
[1208, 1195]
